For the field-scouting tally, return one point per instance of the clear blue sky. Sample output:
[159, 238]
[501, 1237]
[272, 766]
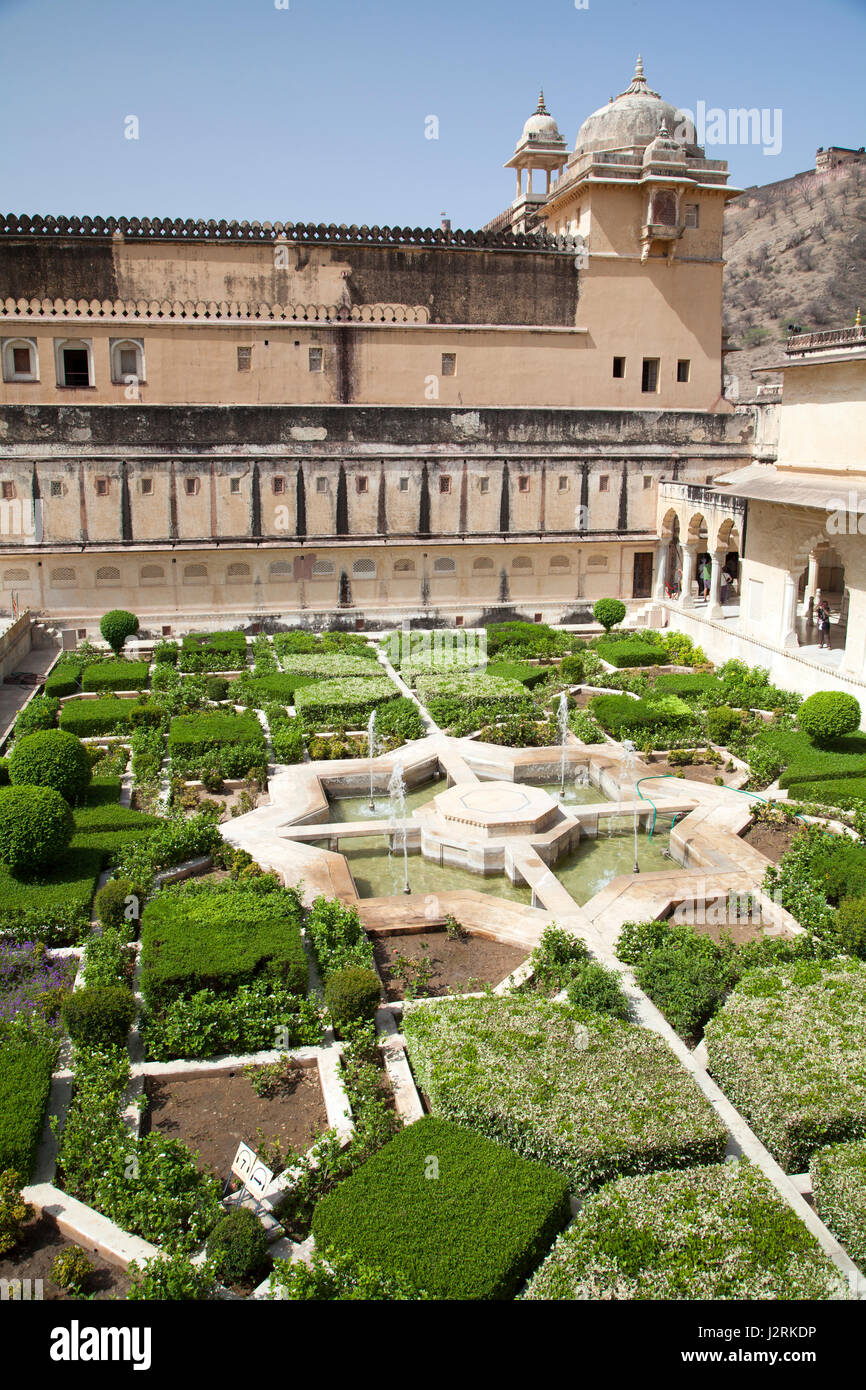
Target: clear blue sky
[317, 112]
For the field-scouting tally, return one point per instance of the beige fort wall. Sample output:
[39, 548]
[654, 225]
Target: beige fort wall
[811, 438]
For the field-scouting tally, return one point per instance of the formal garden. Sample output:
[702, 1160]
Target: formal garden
[337, 966]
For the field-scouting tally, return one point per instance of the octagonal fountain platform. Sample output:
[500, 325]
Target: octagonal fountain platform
[494, 810]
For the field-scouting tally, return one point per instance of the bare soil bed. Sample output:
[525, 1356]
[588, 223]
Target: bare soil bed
[740, 932]
[456, 964]
[694, 772]
[34, 1255]
[771, 840]
[211, 1113]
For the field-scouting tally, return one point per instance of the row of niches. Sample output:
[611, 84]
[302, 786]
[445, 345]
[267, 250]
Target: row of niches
[297, 570]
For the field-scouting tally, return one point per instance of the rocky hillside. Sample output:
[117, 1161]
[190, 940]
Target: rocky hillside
[796, 254]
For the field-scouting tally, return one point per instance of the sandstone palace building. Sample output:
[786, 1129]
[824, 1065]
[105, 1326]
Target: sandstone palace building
[278, 422]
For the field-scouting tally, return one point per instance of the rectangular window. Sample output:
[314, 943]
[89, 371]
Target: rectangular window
[128, 362]
[449, 364]
[75, 367]
[191, 486]
[21, 361]
[484, 484]
[102, 487]
[650, 374]
[8, 491]
[361, 483]
[647, 482]
[684, 368]
[604, 483]
[563, 482]
[619, 366]
[445, 483]
[523, 483]
[56, 489]
[692, 215]
[316, 355]
[404, 484]
[146, 487]
[279, 485]
[245, 359]
[234, 484]
[321, 485]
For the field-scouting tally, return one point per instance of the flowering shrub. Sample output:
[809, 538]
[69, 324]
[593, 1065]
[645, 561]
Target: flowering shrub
[721, 1232]
[838, 1175]
[470, 1228]
[564, 1088]
[341, 704]
[787, 1049]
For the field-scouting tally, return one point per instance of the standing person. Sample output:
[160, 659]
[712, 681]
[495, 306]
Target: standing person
[825, 627]
[704, 574]
[819, 622]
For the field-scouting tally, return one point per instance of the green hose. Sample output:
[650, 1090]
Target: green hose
[659, 775]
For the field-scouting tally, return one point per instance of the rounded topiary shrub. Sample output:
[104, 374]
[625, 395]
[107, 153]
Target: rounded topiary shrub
[352, 995]
[51, 758]
[723, 723]
[36, 826]
[237, 1246]
[829, 715]
[216, 688]
[118, 904]
[99, 1017]
[116, 626]
[571, 669]
[609, 612]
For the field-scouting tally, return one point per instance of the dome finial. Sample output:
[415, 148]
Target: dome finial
[638, 70]
[541, 109]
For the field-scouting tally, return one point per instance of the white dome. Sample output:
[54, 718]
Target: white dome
[631, 120]
[541, 125]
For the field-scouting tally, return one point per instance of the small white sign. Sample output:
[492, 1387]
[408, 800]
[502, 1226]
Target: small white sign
[254, 1174]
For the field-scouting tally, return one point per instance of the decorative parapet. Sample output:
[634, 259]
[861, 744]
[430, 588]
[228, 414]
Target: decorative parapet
[827, 340]
[166, 229]
[701, 496]
[142, 309]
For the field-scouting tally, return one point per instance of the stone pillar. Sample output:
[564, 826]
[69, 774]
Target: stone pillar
[812, 581]
[715, 599]
[689, 556]
[788, 633]
[661, 567]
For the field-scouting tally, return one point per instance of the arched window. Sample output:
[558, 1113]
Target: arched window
[521, 564]
[20, 359]
[127, 360]
[445, 565]
[364, 569]
[16, 579]
[195, 574]
[152, 574]
[280, 572]
[560, 564]
[62, 578]
[238, 574]
[483, 562]
[404, 566]
[108, 574]
[323, 569]
[74, 361]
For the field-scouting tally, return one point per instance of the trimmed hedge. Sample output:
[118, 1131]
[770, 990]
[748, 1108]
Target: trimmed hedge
[352, 995]
[632, 652]
[90, 718]
[194, 735]
[802, 761]
[230, 641]
[693, 685]
[709, 1233]
[99, 1015]
[219, 936]
[26, 1064]
[569, 1089]
[787, 1049]
[116, 675]
[828, 715]
[237, 1246]
[259, 691]
[330, 666]
[457, 1216]
[838, 1175]
[522, 671]
[343, 702]
[619, 714]
[52, 758]
[847, 793]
